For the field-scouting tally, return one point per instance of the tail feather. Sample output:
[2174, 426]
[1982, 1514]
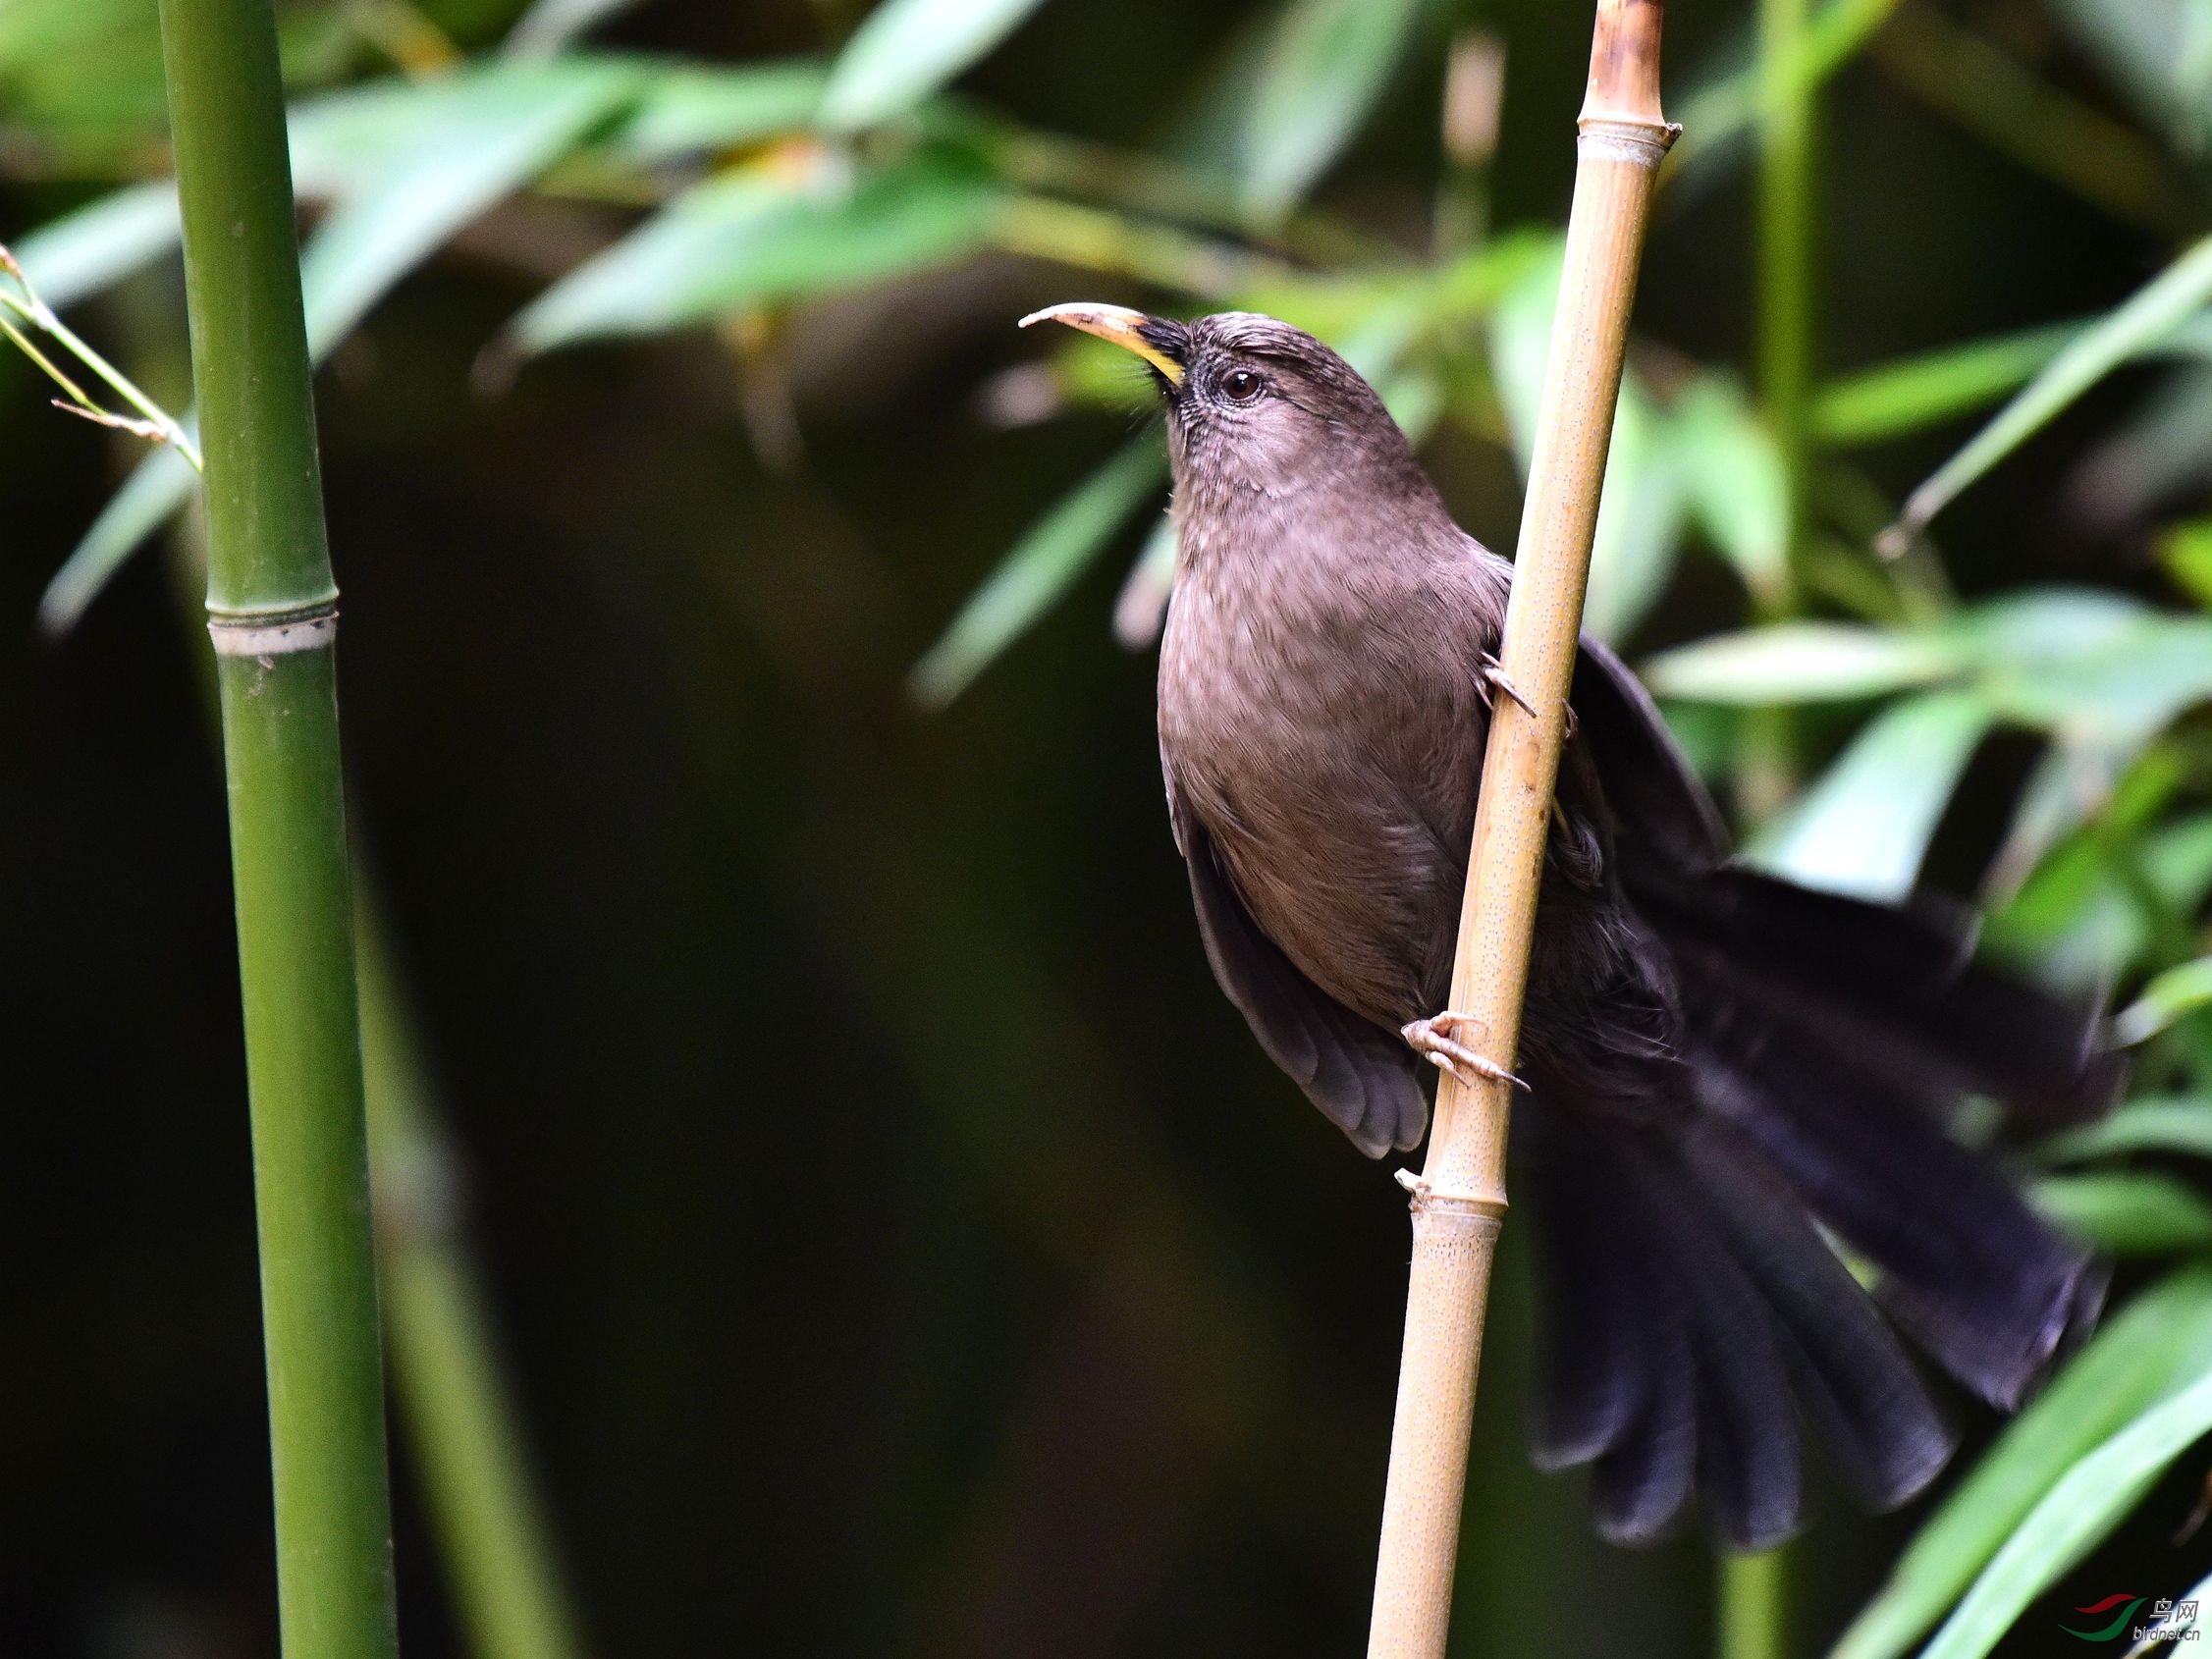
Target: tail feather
[1849, 1371]
[1687, 1303]
[1898, 987]
[1974, 1276]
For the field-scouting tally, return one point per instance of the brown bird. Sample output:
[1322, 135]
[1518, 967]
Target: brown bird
[1719, 1065]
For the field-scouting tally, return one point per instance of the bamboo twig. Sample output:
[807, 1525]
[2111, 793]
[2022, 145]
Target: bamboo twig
[1459, 1198]
[273, 619]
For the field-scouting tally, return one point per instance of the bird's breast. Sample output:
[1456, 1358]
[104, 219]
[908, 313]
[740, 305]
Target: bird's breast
[1328, 741]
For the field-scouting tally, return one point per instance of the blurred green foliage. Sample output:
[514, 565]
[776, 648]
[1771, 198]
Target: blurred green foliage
[1807, 586]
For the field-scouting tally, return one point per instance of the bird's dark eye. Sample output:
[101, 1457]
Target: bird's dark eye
[1241, 385]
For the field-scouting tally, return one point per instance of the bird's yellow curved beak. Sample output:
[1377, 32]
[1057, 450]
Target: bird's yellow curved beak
[1132, 331]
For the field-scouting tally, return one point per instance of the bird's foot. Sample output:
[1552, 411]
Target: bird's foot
[1431, 1039]
[1496, 680]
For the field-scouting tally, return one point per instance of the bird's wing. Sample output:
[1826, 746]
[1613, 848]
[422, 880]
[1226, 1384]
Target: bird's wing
[1363, 1078]
[1648, 781]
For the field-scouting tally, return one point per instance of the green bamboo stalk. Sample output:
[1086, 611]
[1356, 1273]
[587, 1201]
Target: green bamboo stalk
[272, 615]
[1754, 1595]
[455, 1404]
[1754, 1590]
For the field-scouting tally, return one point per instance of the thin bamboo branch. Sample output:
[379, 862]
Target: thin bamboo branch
[272, 615]
[1754, 1593]
[1459, 1198]
[454, 1400]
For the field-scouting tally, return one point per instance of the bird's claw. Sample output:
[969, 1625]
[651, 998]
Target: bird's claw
[1428, 1038]
[1495, 678]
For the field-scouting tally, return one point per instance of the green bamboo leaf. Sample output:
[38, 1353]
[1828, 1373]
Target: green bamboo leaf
[1141, 608]
[2185, 550]
[2087, 1502]
[1323, 64]
[1863, 827]
[2152, 314]
[1802, 663]
[80, 253]
[1893, 399]
[161, 483]
[1641, 503]
[906, 49]
[766, 235]
[473, 145]
[1043, 564]
[2105, 686]
[550, 24]
[2159, 1343]
[2126, 1212]
[2084, 924]
[2166, 1001]
[2177, 1124]
[688, 109]
[1732, 474]
[1640, 515]
[472, 141]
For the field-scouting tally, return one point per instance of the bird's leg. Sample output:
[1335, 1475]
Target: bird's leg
[1429, 1039]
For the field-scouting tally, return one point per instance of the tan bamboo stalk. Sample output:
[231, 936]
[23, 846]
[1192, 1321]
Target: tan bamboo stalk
[1459, 1198]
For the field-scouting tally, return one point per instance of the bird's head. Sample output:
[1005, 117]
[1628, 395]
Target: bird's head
[1255, 406]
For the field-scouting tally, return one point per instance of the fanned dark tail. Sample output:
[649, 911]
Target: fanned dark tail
[1691, 1298]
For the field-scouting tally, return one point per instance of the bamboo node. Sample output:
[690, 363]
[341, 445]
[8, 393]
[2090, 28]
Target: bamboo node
[1614, 135]
[251, 633]
[1427, 1202]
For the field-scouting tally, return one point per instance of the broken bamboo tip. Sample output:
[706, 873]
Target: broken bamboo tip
[1624, 67]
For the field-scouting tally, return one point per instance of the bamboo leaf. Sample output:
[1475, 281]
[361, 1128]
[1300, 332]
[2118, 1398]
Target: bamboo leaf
[1141, 608]
[2178, 1124]
[1640, 509]
[906, 49]
[2086, 1505]
[1324, 66]
[161, 483]
[1801, 662]
[1863, 827]
[1640, 515]
[550, 24]
[2153, 314]
[1043, 564]
[1732, 477]
[2126, 1212]
[2157, 1344]
[687, 109]
[2174, 993]
[2185, 550]
[767, 234]
[2098, 678]
[1896, 399]
[80, 253]
[474, 142]
[472, 147]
